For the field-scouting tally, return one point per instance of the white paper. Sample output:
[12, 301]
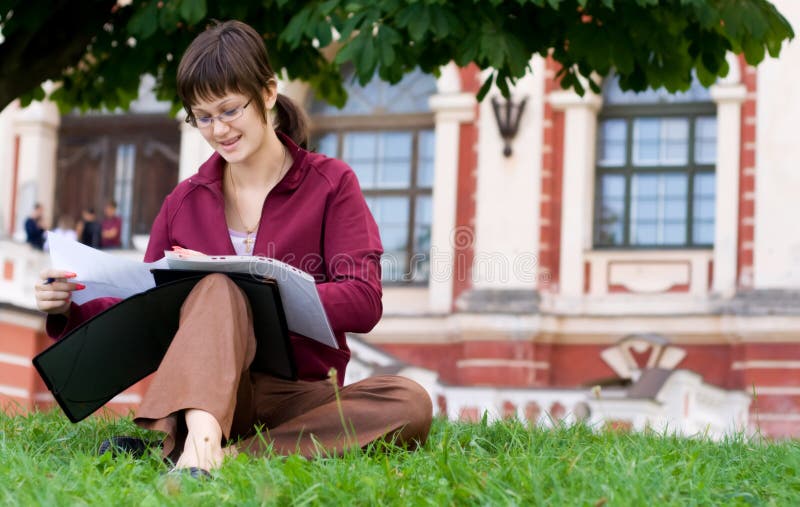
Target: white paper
[104, 275]
[305, 314]
[107, 275]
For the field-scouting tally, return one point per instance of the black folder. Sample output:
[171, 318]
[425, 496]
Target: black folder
[123, 344]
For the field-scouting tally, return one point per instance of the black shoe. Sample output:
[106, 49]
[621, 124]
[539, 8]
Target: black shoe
[134, 446]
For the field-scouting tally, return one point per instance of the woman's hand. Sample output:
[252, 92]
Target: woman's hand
[185, 253]
[54, 297]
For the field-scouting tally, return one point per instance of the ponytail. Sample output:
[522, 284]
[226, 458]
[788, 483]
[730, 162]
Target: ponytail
[291, 120]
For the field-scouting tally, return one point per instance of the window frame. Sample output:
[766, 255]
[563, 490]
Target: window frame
[630, 112]
[414, 123]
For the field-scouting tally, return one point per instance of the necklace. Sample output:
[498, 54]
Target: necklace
[249, 231]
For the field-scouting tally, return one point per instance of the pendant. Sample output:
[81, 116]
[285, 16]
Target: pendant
[248, 244]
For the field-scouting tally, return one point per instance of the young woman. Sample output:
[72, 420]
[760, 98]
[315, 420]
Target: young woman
[259, 193]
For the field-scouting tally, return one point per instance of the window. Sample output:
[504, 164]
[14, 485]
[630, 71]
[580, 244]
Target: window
[123, 188]
[385, 133]
[656, 157]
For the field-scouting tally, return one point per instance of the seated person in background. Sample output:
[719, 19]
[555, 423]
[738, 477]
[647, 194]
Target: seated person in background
[89, 229]
[34, 231]
[111, 230]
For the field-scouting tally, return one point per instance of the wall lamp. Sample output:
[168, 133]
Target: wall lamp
[508, 113]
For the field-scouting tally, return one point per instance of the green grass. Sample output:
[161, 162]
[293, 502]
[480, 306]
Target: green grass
[46, 460]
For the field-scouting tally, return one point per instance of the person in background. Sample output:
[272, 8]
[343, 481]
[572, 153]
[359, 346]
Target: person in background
[89, 229]
[34, 231]
[65, 228]
[111, 229]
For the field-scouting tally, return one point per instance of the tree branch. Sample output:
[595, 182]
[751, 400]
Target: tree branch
[31, 56]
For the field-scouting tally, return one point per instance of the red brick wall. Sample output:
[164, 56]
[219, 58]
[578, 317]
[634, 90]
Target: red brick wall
[552, 169]
[747, 178]
[22, 344]
[464, 234]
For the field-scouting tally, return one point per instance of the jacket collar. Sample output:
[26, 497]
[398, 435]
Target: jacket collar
[211, 172]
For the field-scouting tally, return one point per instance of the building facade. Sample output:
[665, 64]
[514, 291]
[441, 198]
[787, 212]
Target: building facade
[626, 241]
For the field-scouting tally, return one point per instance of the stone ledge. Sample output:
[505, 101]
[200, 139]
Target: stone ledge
[502, 301]
[761, 302]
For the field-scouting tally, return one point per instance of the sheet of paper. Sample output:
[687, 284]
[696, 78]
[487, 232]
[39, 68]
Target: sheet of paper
[104, 275]
[305, 314]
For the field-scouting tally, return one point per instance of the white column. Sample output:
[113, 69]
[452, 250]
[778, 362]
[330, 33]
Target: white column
[508, 191]
[6, 166]
[194, 149]
[37, 127]
[729, 98]
[451, 110]
[577, 199]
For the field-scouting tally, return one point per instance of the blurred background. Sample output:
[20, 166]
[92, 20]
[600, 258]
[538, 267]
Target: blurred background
[628, 259]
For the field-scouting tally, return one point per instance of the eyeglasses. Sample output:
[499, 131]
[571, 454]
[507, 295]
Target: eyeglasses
[228, 116]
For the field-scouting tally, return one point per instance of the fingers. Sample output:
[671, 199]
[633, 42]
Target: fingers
[53, 301]
[58, 286]
[185, 252]
[54, 291]
[53, 306]
[56, 273]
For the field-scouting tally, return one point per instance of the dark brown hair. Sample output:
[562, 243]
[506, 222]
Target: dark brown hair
[231, 57]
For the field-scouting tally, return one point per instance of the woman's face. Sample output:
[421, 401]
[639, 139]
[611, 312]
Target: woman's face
[237, 129]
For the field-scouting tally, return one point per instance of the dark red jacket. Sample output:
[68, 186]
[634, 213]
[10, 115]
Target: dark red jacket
[315, 219]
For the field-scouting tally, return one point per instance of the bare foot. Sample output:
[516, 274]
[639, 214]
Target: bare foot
[203, 447]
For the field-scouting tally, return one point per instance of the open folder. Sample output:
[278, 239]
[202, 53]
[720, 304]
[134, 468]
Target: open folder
[120, 346]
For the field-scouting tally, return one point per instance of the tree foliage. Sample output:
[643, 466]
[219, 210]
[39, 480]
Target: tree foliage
[97, 49]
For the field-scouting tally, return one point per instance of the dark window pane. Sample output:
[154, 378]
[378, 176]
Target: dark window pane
[360, 151]
[704, 209]
[326, 144]
[658, 209]
[674, 233]
[646, 141]
[675, 185]
[613, 187]
[611, 214]
[393, 266]
[425, 159]
[613, 94]
[703, 233]
[420, 261]
[705, 140]
[410, 95]
[612, 143]
[644, 233]
[660, 141]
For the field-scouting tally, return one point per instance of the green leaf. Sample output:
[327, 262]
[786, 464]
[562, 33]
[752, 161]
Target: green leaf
[468, 50]
[352, 22]
[348, 52]
[323, 34]
[441, 21]
[144, 22]
[366, 60]
[37, 93]
[419, 24]
[169, 17]
[295, 30]
[387, 38]
[485, 87]
[193, 11]
[753, 51]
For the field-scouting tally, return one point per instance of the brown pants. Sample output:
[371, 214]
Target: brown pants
[207, 367]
